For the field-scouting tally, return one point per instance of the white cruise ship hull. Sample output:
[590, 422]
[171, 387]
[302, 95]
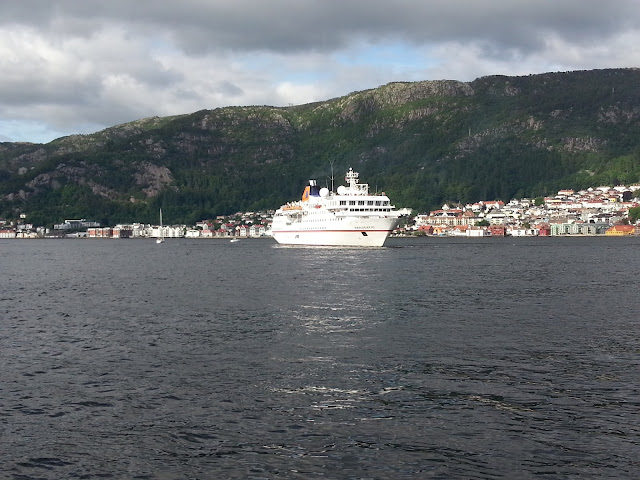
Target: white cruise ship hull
[365, 232]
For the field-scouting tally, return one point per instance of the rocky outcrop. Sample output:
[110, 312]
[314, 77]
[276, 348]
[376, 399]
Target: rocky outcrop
[80, 174]
[355, 106]
[401, 93]
[583, 144]
[617, 115]
[152, 178]
[473, 141]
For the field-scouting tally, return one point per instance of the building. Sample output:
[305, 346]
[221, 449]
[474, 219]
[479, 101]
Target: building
[76, 224]
[497, 230]
[620, 230]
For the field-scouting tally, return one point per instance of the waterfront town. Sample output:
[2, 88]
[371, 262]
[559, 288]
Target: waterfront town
[595, 211]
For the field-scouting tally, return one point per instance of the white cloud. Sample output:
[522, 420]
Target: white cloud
[295, 94]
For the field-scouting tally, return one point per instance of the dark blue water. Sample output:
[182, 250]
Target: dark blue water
[430, 358]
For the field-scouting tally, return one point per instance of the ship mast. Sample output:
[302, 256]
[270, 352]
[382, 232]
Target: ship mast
[332, 161]
[351, 178]
[354, 187]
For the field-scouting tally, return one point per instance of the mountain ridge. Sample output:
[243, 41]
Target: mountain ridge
[424, 142]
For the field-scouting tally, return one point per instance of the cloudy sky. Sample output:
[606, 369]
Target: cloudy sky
[78, 66]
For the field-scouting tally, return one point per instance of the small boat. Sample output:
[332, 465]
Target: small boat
[234, 240]
[160, 238]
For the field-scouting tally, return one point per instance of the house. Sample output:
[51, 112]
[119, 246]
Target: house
[105, 232]
[496, 204]
[560, 229]
[521, 232]
[544, 230]
[204, 225]
[446, 216]
[619, 230]
[459, 231]
[496, 218]
[477, 232]
[497, 230]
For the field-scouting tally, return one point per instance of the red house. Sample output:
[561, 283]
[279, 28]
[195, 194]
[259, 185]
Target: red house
[498, 230]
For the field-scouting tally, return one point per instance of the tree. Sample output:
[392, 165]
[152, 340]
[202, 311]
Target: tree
[634, 214]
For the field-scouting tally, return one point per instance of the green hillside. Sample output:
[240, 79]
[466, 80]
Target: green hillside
[423, 143]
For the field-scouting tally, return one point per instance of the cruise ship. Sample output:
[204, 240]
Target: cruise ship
[349, 217]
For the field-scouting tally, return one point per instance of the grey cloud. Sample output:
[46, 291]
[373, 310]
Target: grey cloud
[293, 25]
[230, 89]
[199, 26]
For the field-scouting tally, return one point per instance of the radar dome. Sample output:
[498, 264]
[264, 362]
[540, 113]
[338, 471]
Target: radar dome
[341, 190]
[324, 192]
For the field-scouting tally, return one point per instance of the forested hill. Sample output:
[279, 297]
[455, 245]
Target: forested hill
[423, 143]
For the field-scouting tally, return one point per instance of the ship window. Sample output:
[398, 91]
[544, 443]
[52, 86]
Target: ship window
[386, 202]
[370, 202]
[360, 202]
[343, 202]
[352, 202]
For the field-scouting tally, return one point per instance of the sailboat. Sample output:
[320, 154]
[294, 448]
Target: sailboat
[160, 238]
